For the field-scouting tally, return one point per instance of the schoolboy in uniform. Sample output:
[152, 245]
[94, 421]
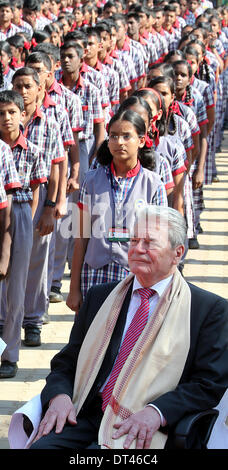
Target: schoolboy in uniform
[32, 172]
[45, 133]
[9, 180]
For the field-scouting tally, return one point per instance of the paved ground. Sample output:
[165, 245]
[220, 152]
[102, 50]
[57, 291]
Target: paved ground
[206, 267]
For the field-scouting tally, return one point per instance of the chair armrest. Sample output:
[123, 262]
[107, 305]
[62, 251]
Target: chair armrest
[194, 430]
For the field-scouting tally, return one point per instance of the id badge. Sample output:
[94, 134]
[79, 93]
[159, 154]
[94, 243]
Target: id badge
[118, 234]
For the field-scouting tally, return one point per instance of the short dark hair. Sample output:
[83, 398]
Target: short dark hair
[39, 57]
[27, 72]
[171, 8]
[75, 46]
[76, 35]
[49, 49]
[5, 47]
[11, 96]
[6, 3]
[32, 5]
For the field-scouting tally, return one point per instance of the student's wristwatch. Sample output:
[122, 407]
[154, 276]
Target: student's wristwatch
[49, 203]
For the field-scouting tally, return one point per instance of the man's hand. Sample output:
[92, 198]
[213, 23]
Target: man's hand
[140, 426]
[61, 410]
[46, 222]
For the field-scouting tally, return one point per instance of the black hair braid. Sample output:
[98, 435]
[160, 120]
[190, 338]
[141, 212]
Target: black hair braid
[204, 71]
[1, 76]
[147, 158]
[171, 120]
[188, 94]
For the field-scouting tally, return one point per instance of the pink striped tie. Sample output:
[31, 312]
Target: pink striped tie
[135, 329]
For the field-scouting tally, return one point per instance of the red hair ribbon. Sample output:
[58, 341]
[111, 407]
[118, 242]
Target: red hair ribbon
[175, 108]
[14, 62]
[27, 45]
[33, 42]
[148, 142]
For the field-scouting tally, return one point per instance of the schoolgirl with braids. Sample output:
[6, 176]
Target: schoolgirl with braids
[192, 97]
[108, 200]
[175, 124]
[168, 146]
[204, 71]
[19, 51]
[191, 55]
[159, 162]
[6, 73]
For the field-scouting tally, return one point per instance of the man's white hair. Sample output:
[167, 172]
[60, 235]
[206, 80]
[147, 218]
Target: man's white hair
[176, 225]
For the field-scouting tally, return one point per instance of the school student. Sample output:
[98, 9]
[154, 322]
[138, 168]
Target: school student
[45, 133]
[32, 172]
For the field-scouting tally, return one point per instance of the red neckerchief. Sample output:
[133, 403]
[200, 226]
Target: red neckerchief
[148, 142]
[130, 173]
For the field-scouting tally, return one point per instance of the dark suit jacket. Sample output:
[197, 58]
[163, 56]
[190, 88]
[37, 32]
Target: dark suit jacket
[205, 375]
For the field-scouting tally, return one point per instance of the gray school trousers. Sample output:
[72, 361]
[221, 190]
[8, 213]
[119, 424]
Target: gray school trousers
[13, 288]
[36, 289]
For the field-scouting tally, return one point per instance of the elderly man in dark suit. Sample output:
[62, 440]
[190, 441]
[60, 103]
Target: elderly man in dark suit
[142, 353]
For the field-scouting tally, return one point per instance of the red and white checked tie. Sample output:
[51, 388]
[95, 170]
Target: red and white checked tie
[135, 329]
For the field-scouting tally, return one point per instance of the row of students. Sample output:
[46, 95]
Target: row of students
[78, 138]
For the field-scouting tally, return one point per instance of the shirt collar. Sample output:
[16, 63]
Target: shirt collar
[98, 66]
[130, 173]
[84, 68]
[47, 102]
[108, 60]
[159, 287]
[55, 87]
[21, 141]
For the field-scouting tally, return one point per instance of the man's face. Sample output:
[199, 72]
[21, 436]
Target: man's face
[183, 6]
[29, 16]
[28, 89]
[170, 18]
[133, 26]
[70, 62]
[143, 20]
[193, 5]
[121, 31]
[45, 6]
[159, 20]
[6, 14]
[151, 257]
[54, 7]
[10, 118]
[113, 38]
[42, 71]
[92, 47]
[105, 41]
[109, 11]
